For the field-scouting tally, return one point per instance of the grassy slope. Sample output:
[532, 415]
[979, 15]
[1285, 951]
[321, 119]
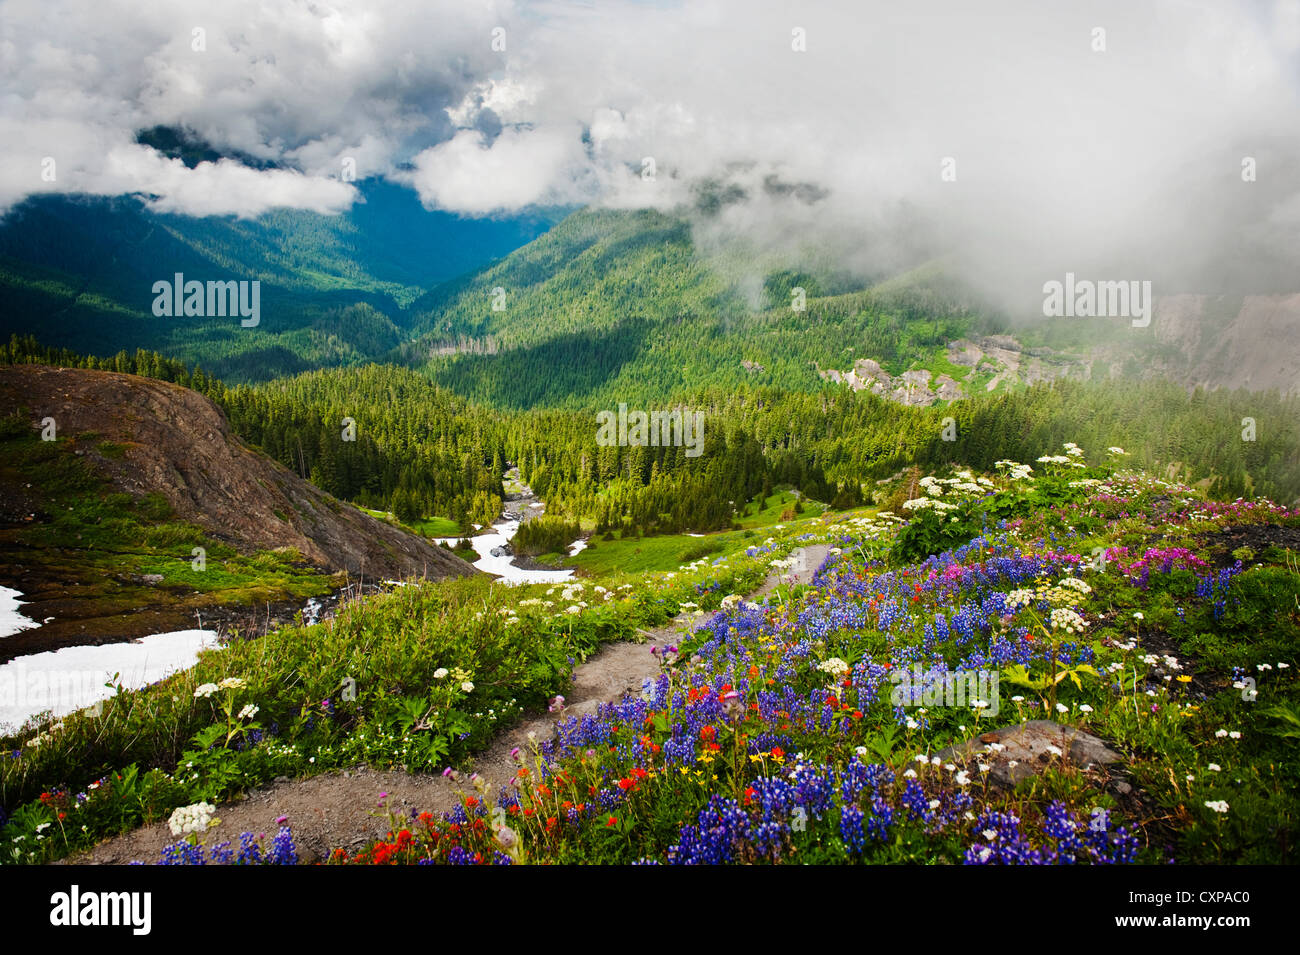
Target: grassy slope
[1167, 636]
[669, 551]
[392, 645]
[429, 527]
[97, 543]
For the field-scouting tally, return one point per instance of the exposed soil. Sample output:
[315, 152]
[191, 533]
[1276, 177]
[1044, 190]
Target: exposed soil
[341, 809]
[1258, 537]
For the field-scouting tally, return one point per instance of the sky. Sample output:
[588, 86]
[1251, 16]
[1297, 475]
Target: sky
[1014, 140]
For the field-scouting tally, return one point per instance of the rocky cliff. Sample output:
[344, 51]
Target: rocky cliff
[176, 442]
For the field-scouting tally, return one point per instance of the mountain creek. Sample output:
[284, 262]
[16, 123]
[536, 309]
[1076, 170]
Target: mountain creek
[52, 670]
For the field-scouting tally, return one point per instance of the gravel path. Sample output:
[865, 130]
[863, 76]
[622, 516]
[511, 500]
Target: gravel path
[342, 809]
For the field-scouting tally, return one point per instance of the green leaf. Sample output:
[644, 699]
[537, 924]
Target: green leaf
[1287, 715]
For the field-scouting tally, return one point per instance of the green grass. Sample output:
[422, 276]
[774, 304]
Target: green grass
[438, 527]
[938, 364]
[428, 527]
[635, 555]
[98, 542]
[773, 511]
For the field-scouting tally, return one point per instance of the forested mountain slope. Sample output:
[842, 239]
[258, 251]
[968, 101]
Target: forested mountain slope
[607, 306]
[79, 271]
[623, 306]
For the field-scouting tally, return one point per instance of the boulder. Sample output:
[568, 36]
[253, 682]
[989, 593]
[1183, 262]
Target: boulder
[1025, 752]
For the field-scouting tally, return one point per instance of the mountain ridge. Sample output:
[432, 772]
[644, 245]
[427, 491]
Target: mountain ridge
[177, 443]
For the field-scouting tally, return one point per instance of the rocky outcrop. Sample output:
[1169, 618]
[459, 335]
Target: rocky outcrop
[1014, 753]
[1204, 341]
[909, 388]
[1225, 342]
[177, 443]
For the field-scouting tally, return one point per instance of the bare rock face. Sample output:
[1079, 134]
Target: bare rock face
[178, 443]
[947, 388]
[909, 388]
[1027, 749]
[963, 352]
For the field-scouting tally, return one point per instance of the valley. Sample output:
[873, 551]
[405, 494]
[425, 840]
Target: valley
[427, 572]
[367, 563]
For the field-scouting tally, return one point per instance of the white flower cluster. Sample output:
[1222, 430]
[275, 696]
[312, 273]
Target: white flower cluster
[865, 527]
[1015, 470]
[964, 482]
[1072, 453]
[1063, 618]
[1065, 592]
[457, 675]
[834, 666]
[48, 734]
[1021, 597]
[921, 503]
[195, 818]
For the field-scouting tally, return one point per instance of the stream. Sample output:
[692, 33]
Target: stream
[494, 556]
[73, 678]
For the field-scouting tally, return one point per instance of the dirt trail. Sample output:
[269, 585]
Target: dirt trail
[342, 809]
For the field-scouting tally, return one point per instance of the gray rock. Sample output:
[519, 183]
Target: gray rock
[1026, 745]
[584, 708]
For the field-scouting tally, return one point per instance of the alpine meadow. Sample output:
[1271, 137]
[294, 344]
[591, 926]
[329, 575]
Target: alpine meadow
[498, 432]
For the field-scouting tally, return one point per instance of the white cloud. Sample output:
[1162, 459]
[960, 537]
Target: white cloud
[520, 168]
[302, 84]
[1067, 158]
[220, 188]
